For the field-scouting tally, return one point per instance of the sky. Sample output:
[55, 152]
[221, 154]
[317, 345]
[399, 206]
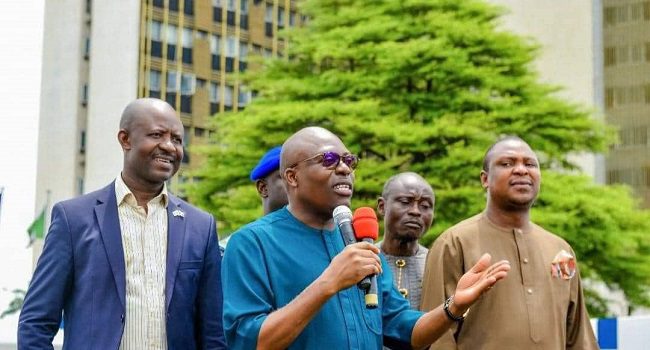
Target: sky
[21, 42]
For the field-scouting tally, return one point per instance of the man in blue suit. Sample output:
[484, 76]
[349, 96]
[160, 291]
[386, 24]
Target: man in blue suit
[130, 266]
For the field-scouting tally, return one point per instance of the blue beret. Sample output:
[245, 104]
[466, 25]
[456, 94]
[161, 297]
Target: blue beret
[269, 163]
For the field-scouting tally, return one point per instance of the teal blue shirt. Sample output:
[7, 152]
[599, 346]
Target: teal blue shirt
[272, 260]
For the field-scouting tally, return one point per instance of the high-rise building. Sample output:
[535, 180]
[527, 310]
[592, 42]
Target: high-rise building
[100, 55]
[569, 35]
[627, 92]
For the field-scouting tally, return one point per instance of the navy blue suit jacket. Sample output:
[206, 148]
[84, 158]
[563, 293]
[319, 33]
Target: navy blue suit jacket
[81, 273]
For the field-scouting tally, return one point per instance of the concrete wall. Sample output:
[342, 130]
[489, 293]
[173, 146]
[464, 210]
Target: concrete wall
[113, 79]
[58, 142]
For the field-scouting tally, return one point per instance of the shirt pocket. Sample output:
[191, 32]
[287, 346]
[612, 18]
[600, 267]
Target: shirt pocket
[372, 317]
[190, 264]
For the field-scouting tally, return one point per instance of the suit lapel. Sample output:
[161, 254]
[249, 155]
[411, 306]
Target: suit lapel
[175, 237]
[109, 226]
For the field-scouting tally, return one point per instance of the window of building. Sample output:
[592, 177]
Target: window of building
[215, 93]
[609, 98]
[227, 97]
[243, 97]
[280, 17]
[172, 87]
[610, 16]
[87, 48]
[89, 4]
[84, 95]
[173, 5]
[610, 56]
[230, 52]
[188, 43]
[647, 52]
[622, 14]
[186, 145]
[154, 83]
[188, 8]
[188, 84]
[199, 132]
[268, 21]
[243, 56]
[159, 3]
[82, 142]
[217, 7]
[292, 19]
[243, 15]
[230, 13]
[80, 185]
[188, 87]
[646, 94]
[646, 10]
[215, 49]
[156, 38]
[636, 53]
[172, 40]
[636, 12]
[622, 54]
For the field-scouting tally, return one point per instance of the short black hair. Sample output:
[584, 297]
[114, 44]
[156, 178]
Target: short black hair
[486, 158]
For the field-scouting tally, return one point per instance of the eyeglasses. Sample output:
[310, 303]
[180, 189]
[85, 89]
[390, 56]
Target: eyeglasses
[332, 160]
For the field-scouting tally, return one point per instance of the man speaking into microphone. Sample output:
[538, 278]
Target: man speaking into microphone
[291, 281]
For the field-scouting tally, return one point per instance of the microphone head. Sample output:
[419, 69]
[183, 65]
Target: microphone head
[365, 223]
[341, 213]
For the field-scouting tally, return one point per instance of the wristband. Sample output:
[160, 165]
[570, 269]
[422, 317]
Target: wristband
[451, 316]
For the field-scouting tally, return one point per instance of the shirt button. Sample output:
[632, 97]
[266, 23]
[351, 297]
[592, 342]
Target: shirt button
[529, 291]
[525, 260]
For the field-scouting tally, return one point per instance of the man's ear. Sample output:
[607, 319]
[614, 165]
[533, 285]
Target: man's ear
[381, 206]
[262, 188]
[290, 178]
[123, 139]
[484, 179]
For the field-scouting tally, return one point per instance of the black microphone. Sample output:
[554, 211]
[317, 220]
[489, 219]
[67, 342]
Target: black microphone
[366, 229]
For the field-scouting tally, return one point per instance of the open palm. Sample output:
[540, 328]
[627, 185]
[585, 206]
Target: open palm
[479, 279]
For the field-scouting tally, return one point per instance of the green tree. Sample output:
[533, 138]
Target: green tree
[426, 86]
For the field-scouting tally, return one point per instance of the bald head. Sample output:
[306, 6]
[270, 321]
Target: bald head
[304, 143]
[143, 107]
[313, 188]
[404, 179]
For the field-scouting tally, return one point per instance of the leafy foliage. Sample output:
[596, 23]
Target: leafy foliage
[15, 304]
[426, 86]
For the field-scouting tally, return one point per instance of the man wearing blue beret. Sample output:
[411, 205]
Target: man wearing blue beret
[268, 181]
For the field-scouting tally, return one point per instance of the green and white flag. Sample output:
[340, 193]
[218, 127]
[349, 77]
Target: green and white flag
[37, 228]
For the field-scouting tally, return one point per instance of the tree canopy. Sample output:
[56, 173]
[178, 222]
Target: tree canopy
[427, 86]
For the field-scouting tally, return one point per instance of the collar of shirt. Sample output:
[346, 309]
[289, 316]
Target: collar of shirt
[123, 194]
[527, 229]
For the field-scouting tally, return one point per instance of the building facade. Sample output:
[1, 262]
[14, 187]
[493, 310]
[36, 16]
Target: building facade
[569, 35]
[627, 92]
[100, 55]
